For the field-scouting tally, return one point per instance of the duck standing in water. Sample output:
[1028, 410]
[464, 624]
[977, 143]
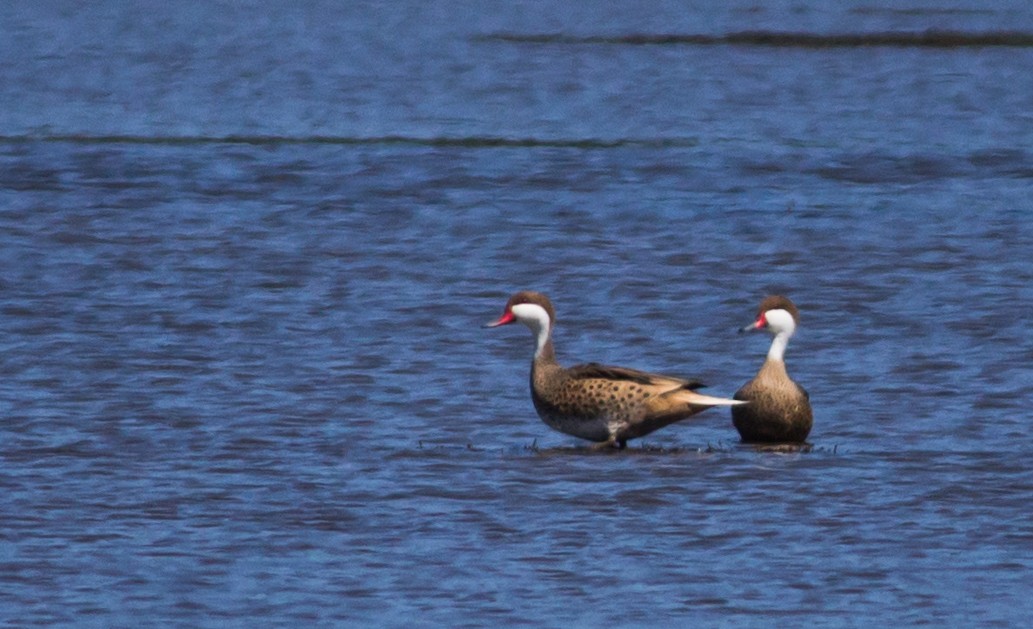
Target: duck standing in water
[608, 405]
[779, 410]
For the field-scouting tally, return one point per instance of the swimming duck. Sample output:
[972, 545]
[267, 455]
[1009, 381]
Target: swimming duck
[779, 410]
[607, 405]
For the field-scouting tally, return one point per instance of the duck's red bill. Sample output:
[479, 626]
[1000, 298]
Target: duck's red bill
[506, 317]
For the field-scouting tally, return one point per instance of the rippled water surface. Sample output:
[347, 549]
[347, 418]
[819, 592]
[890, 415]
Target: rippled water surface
[246, 251]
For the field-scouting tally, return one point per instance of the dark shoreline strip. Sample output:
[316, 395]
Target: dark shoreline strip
[780, 39]
[272, 140]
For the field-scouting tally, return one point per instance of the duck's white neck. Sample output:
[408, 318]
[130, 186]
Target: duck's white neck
[537, 319]
[778, 347]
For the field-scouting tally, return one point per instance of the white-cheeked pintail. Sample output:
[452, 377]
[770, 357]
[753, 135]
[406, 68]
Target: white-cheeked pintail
[608, 405]
[779, 410]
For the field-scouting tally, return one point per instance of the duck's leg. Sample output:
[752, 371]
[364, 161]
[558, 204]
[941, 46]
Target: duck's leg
[612, 442]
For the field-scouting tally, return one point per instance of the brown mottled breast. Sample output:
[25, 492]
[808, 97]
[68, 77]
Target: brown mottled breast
[779, 409]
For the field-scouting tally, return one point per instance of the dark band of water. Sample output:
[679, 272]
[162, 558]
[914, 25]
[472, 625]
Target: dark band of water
[899, 39]
[467, 142]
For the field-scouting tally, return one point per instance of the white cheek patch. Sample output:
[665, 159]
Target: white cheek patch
[780, 320]
[528, 313]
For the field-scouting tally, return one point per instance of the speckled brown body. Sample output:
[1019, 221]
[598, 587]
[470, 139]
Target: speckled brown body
[779, 410]
[602, 403]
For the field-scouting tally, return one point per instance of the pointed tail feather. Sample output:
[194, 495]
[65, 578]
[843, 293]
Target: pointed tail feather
[674, 406]
[698, 399]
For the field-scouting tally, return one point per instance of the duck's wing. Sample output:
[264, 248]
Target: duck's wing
[596, 371]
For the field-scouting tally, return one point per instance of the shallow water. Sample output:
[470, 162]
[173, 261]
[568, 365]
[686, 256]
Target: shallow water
[247, 251]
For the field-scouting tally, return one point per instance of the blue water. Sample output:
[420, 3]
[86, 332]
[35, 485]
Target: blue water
[246, 250]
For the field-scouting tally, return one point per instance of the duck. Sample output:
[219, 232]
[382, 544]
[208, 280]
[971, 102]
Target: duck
[779, 409]
[603, 404]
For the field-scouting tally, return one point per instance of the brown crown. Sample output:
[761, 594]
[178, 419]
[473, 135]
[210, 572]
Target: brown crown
[778, 302]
